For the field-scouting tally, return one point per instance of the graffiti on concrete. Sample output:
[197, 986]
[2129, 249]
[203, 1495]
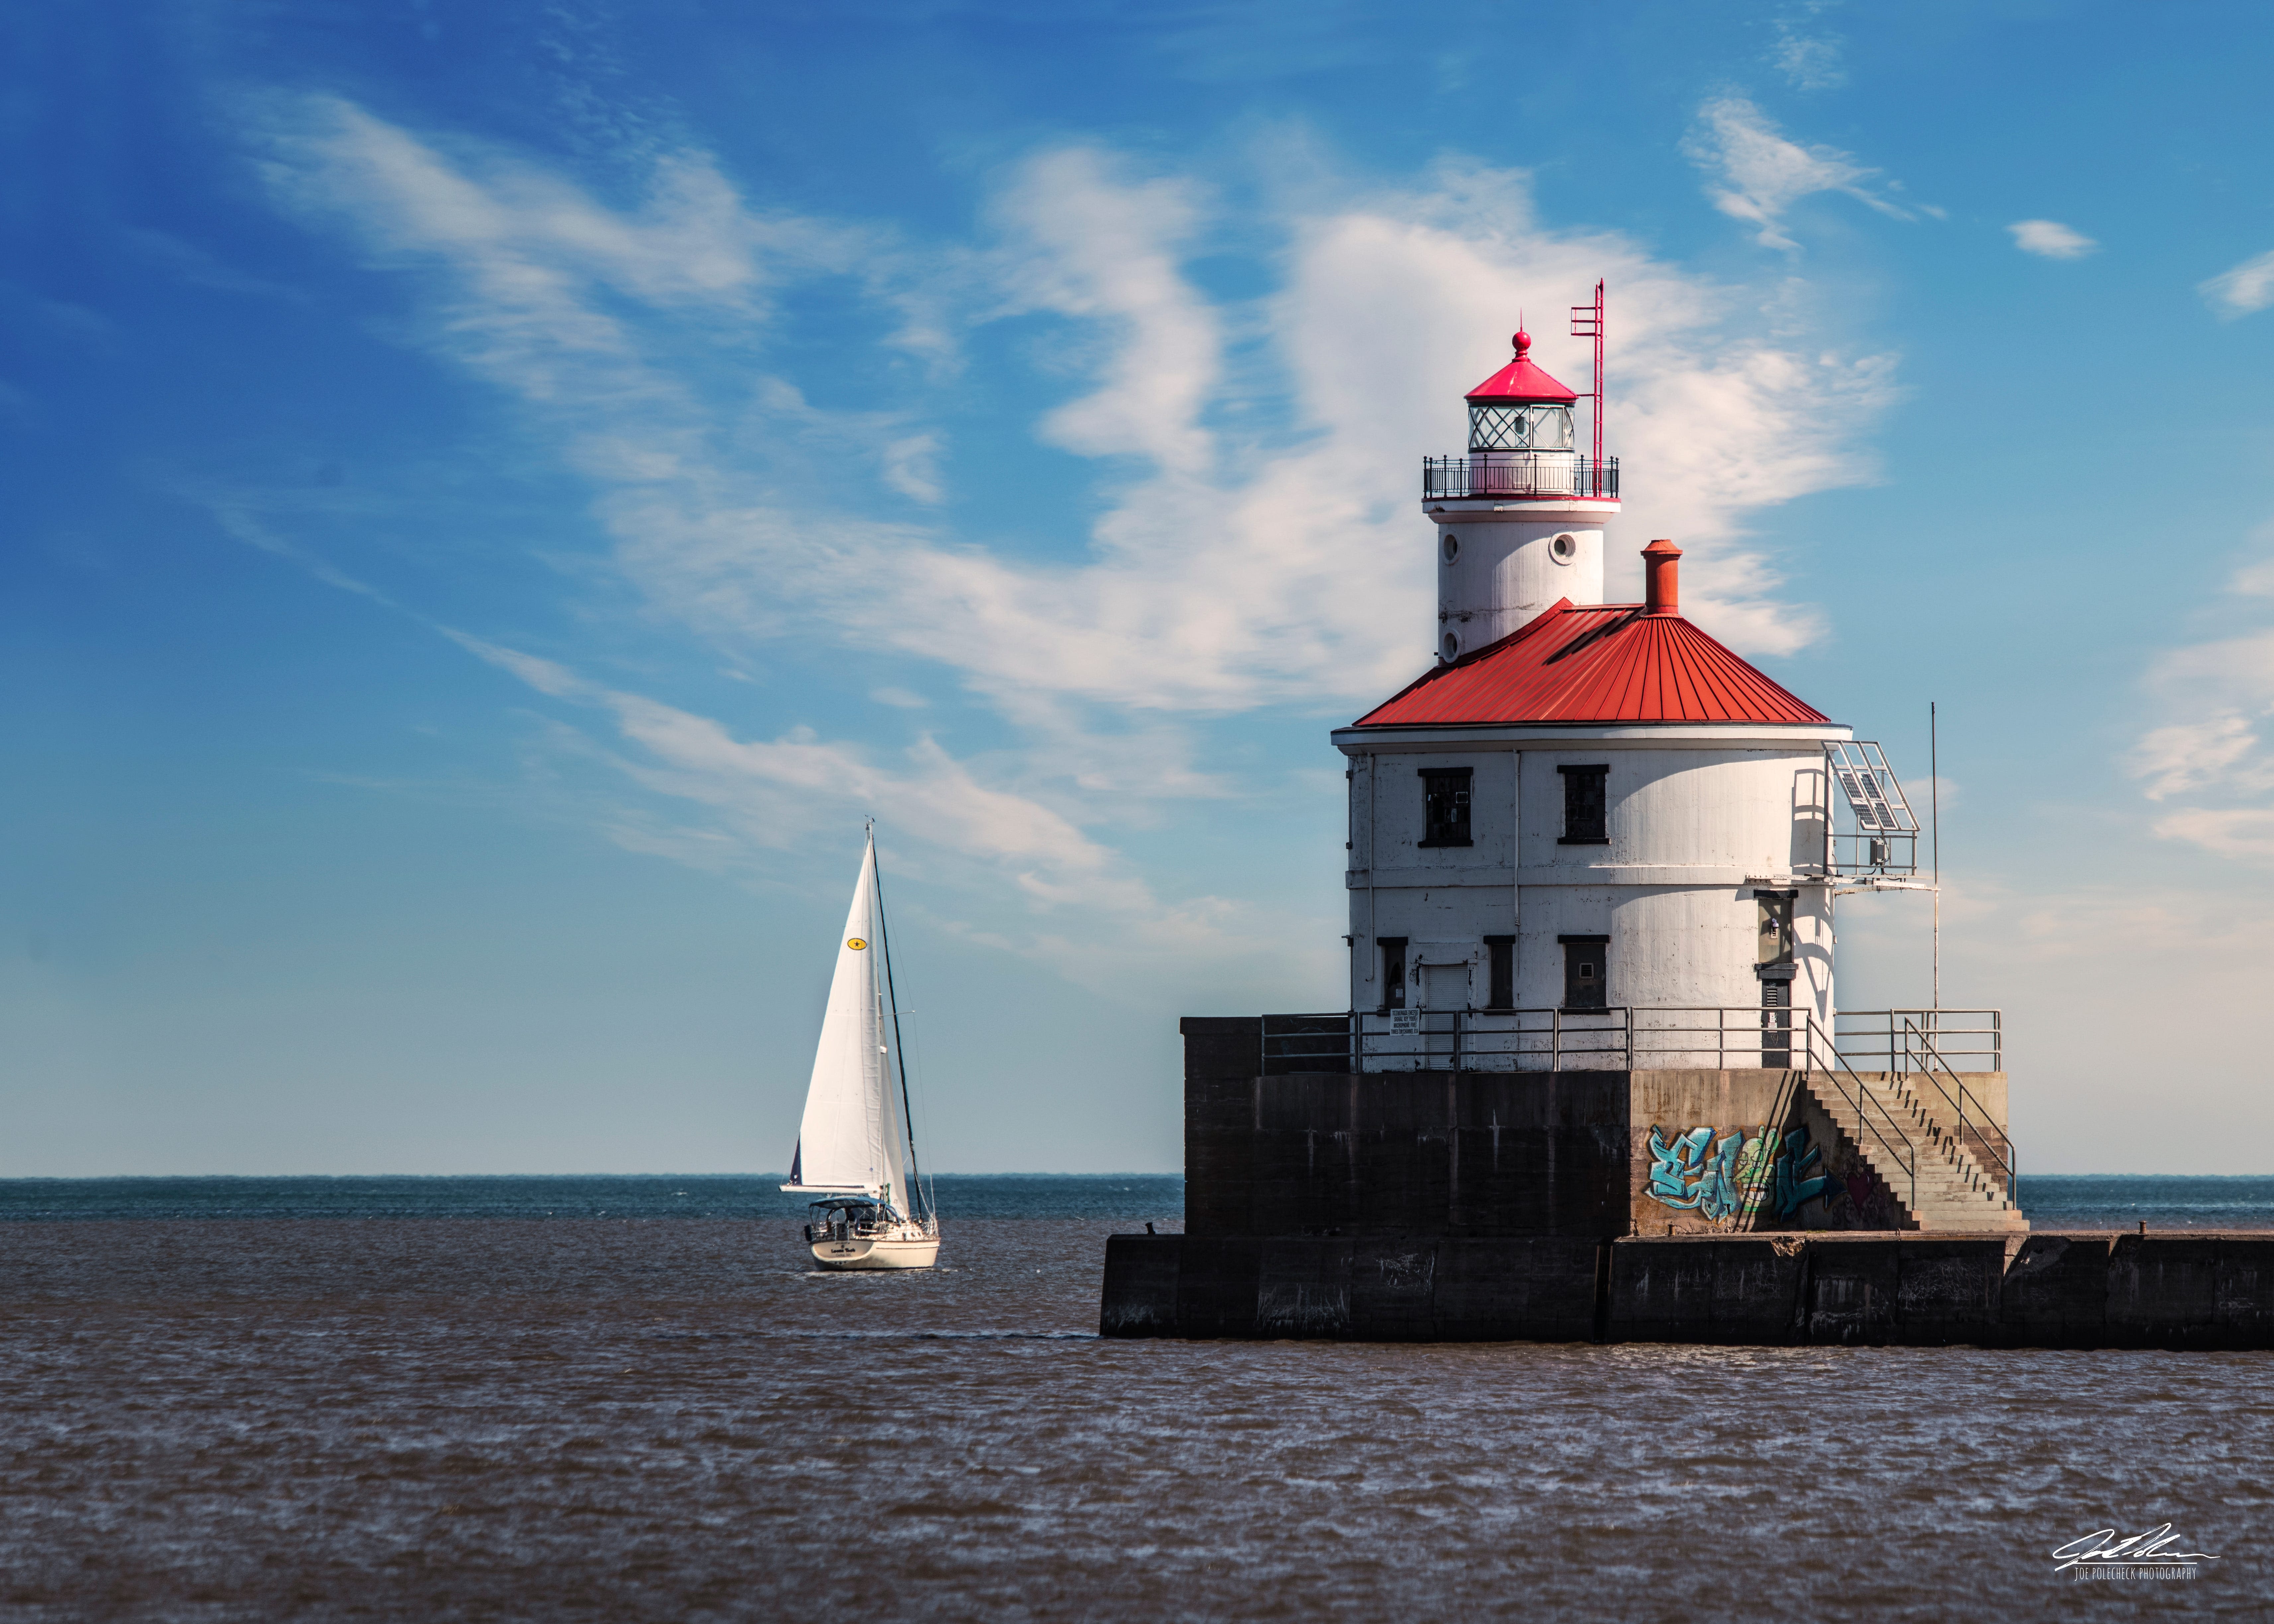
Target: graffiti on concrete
[1868, 1194]
[1794, 1189]
[1718, 1175]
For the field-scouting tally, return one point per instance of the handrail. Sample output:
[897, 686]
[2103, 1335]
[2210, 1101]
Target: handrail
[1550, 1038]
[2000, 1151]
[1971, 1035]
[1908, 1159]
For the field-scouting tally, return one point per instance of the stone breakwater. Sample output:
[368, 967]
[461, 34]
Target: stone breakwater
[2182, 1291]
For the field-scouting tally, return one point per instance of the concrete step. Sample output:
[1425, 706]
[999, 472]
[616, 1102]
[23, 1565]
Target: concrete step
[1903, 1102]
[1949, 1190]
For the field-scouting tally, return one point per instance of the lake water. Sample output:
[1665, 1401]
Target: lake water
[619, 1398]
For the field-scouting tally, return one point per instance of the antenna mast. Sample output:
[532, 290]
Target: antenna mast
[1587, 322]
[1934, 815]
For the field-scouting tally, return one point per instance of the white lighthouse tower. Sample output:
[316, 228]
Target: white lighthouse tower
[1520, 518]
[1591, 838]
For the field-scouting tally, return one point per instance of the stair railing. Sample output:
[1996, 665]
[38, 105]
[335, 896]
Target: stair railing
[1906, 1159]
[1753, 1196]
[1981, 1137]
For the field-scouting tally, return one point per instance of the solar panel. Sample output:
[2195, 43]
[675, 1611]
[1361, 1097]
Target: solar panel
[1869, 784]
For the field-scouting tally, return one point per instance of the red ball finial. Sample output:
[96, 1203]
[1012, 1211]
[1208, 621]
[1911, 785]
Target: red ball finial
[1523, 342]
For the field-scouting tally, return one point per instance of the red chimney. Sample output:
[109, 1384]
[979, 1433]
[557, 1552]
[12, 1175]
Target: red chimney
[1662, 576]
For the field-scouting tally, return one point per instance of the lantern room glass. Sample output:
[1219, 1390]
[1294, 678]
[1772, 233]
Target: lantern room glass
[1520, 428]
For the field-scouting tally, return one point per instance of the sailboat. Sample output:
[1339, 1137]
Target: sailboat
[856, 1147]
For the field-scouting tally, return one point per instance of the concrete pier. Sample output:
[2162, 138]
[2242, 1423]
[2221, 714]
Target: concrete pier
[1579, 1206]
[2181, 1289]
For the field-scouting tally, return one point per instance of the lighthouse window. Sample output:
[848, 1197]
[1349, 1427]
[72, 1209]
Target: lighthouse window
[1498, 428]
[1445, 805]
[1564, 547]
[1452, 548]
[1585, 805]
[1393, 971]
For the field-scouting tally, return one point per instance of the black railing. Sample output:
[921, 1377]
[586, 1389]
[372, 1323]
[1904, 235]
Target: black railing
[1520, 473]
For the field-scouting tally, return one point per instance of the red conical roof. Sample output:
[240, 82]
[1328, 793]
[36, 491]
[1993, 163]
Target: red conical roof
[1521, 383]
[1604, 663]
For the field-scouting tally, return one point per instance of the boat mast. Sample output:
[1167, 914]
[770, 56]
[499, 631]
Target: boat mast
[900, 1055]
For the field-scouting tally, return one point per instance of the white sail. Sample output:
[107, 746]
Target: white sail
[852, 1138]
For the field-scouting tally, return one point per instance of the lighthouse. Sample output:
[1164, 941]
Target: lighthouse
[1583, 807]
[1593, 1081]
[1593, 873]
[1593, 836]
[1520, 518]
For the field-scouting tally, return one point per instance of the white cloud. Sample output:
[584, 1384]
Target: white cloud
[776, 792]
[2050, 239]
[1227, 570]
[1097, 918]
[2218, 755]
[1808, 61]
[1090, 242]
[2237, 668]
[1763, 174]
[2189, 755]
[2247, 287]
[2244, 832]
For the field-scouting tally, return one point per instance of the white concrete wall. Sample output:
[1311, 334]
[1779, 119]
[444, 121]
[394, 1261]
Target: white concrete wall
[1504, 570]
[1693, 826]
[1757, 809]
[1444, 900]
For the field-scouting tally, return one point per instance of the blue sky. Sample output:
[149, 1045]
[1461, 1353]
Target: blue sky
[498, 493]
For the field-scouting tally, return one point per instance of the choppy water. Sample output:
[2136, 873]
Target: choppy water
[597, 1195]
[449, 1417]
[2113, 1201]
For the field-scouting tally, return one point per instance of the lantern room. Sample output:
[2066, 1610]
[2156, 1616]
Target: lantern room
[1520, 407]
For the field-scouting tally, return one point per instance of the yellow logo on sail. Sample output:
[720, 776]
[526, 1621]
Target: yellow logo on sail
[855, 943]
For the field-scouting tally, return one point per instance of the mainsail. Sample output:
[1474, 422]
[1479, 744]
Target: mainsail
[852, 1140]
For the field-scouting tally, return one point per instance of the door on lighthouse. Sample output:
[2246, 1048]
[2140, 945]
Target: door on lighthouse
[1586, 972]
[1444, 994]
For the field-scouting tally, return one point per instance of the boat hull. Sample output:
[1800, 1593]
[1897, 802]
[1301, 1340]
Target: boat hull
[882, 1252]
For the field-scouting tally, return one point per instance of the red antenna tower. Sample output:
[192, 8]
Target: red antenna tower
[1587, 322]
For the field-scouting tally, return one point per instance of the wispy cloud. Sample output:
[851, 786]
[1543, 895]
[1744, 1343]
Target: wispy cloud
[1761, 174]
[1228, 569]
[2050, 239]
[2183, 756]
[2215, 756]
[780, 792]
[1809, 60]
[2246, 289]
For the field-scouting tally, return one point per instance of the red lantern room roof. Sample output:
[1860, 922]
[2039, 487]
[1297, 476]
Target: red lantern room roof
[1604, 663]
[1521, 382]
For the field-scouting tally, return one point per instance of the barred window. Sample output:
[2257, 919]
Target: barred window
[1445, 805]
[1585, 806]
